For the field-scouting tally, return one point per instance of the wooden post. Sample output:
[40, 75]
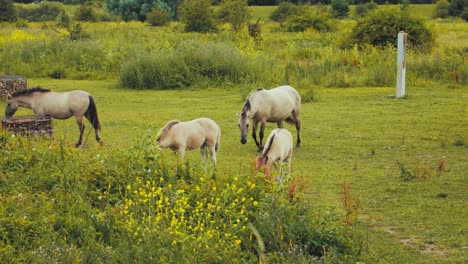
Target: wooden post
[401, 66]
[9, 84]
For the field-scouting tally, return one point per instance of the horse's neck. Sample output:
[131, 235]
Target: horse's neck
[26, 101]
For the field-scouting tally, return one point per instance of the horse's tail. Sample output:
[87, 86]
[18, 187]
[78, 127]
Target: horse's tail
[92, 115]
[267, 148]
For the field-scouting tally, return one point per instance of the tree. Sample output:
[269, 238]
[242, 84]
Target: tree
[7, 10]
[458, 8]
[234, 12]
[381, 27]
[197, 16]
[340, 8]
[136, 9]
[442, 9]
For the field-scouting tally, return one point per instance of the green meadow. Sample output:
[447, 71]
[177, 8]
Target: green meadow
[376, 180]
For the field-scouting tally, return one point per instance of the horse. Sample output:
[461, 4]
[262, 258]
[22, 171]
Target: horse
[199, 133]
[278, 149]
[44, 102]
[275, 105]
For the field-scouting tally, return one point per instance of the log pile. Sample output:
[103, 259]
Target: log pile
[11, 84]
[29, 125]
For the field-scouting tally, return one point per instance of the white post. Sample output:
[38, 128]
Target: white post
[401, 65]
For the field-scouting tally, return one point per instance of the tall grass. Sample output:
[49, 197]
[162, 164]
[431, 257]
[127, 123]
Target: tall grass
[61, 204]
[194, 63]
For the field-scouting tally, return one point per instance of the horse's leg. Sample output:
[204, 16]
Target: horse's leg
[204, 153]
[298, 129]
[262, 132]
[81, 126]
[181, 151]
[213, 153]
[254, 133]
[280, 124]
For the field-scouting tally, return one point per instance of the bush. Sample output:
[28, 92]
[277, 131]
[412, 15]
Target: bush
[310, 19]
[381, 27]
[158, 17]
[340, 8]
[61, 205]
[364, 8]
[45, 11]
[191, 63]
[458, 8]
[85, 13]
[285, 10]
[234, 12]
[197, 16]
[441, 9]
[7, 11]
[136, 9]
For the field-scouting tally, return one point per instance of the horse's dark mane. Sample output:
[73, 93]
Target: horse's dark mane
[168, 126]
[269, 146]
[32, 90]
[246, 106]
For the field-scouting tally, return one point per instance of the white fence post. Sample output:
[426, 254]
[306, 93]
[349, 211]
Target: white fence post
[401, 66]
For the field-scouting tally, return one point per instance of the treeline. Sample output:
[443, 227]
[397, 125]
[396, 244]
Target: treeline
[250, 2]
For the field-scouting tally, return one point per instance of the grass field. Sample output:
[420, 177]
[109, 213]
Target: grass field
[404, 160]
[356, 136]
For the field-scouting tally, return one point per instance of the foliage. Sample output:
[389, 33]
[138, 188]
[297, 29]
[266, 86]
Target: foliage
[197, 16]
[285, 10]
[340, 8]
[255, 30]
[191, 63]
[459, 8]
[311, 19]
[234, 12]
[64, 20]
[61, 204]
[364, 8]
[44, 11]
[380, 28]
[158, 17]
[135, 9]
[7, 11]
[85, 13]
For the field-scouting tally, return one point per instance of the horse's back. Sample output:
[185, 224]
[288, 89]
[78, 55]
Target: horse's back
[279, 144]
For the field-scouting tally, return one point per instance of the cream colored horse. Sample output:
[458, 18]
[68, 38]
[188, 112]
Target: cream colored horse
[275, 105]
[199, 133]
[44, 102]
[278, 149]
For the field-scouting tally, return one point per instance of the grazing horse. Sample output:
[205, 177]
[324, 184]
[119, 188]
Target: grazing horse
[275, 105]
[278, 148]
[199, 133]
[44, 102]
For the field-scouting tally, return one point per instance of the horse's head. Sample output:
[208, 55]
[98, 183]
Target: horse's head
[12, 106]
[160, 137]
[244, 120]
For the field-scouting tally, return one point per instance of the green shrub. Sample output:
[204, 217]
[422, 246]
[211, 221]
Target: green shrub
[158, 17]
[363, 8]
[381, 27]
[285, 10]
[458, 8]
[7, 11]
[234, 12]
[85, 13]
[442, 9]
[197, 16]
[340, 8]
[310, 19]
[64, 20]
[44, 11]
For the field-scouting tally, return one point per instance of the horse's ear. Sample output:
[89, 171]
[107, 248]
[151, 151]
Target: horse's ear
[238, 115]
